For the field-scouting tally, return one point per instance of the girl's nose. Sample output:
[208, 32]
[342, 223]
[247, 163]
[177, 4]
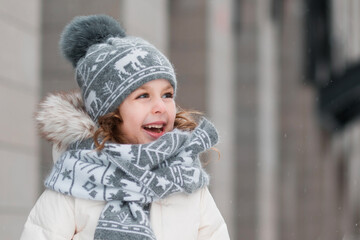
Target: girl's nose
[158, 106]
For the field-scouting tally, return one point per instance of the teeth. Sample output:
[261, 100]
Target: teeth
[154, 126]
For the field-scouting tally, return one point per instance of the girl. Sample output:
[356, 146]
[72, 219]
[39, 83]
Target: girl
[126, 163]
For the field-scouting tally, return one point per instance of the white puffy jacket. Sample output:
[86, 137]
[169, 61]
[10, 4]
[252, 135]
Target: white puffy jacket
[59, 217]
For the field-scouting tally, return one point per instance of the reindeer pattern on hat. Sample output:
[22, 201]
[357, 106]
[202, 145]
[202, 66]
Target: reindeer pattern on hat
[131, 60]
[112, 70]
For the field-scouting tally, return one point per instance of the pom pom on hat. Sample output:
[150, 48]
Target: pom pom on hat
[85, 31]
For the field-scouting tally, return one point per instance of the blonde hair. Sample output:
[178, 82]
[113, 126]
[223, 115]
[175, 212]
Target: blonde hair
[108, 126]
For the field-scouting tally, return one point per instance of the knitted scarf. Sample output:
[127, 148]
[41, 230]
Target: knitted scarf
[130, 177]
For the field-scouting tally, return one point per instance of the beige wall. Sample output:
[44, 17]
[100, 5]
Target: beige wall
[148, 19]
[220, 102]
[19, 83]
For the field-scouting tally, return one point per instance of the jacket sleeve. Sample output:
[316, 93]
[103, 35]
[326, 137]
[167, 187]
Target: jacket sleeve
[212, 225]
[52, 218]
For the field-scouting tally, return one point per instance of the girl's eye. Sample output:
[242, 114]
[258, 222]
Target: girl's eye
[168, 95]
[144, 95]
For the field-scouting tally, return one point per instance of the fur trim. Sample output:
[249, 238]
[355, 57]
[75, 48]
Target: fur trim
[62, 120]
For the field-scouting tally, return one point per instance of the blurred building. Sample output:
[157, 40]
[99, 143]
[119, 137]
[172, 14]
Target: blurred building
[20, 88]
[278, 78]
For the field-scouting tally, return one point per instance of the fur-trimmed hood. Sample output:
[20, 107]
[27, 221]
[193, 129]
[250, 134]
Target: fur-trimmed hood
[61, 119]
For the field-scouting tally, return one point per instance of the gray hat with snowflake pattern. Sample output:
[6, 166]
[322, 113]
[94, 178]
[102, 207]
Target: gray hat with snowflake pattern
[110, 65]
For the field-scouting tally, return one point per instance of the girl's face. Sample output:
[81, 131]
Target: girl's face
[148, 112]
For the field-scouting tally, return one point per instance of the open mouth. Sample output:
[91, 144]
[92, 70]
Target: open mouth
[154, 128]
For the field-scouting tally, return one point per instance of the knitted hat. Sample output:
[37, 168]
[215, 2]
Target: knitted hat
[110, 65]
